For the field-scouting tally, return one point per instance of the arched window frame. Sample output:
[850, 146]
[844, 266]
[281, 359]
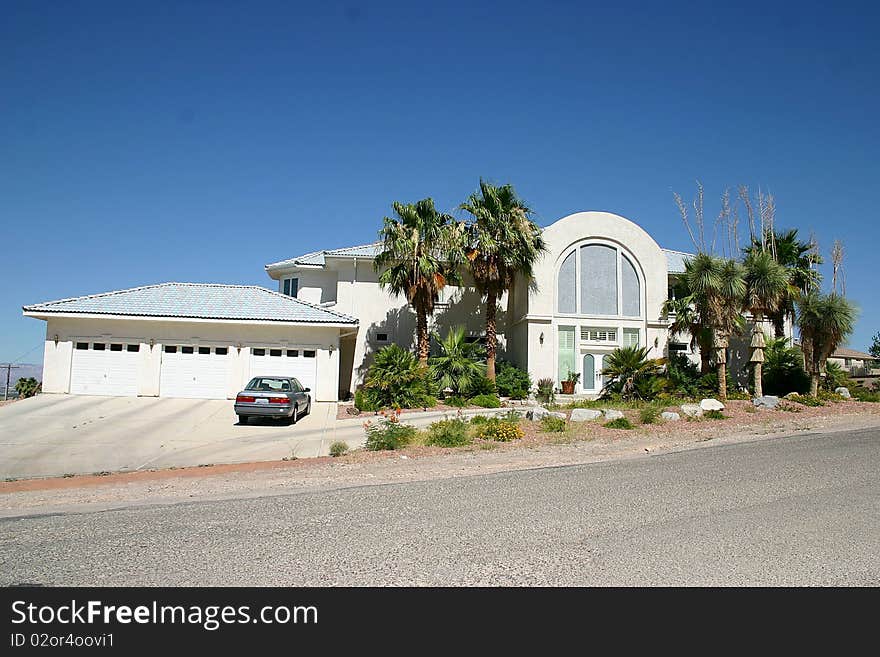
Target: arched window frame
[621, 253]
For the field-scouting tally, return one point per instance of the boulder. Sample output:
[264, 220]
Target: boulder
[612, 414]
[670, 416]
[711, 405]
[692, 410]
[537, 413]
[585, 414]
[561, 416]
[767, 401]
[843, 392]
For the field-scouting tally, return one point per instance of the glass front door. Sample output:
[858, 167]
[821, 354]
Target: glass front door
[591, 377]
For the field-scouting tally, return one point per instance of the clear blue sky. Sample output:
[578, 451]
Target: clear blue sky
[197, 141]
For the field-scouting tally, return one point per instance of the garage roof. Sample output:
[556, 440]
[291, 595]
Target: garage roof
[198, 301]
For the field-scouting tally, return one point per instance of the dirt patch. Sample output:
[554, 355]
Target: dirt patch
[580, 443]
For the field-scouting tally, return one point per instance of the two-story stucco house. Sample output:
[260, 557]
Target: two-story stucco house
[601, 284]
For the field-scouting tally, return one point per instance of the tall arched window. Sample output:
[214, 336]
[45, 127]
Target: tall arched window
[598, 279]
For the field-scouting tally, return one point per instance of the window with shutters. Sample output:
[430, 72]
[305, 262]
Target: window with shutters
[566, 348]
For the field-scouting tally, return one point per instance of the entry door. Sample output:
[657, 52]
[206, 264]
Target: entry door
[591, 377]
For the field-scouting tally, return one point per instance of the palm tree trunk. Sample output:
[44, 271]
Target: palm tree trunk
[779, 325]
[758, 365]
[423, 345]
[814, 384]
[491, 339]
[759, 372]
[722, 381]
[705, 361]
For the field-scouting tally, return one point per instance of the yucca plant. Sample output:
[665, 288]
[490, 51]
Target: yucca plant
[824, 321]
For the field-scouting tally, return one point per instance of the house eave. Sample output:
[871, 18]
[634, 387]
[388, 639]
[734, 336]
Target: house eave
[49, 314]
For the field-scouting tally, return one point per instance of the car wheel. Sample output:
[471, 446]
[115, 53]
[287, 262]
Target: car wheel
[242, 419]
[295, 416]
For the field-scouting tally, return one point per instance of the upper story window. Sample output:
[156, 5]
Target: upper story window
[290, 286]
[598, 279]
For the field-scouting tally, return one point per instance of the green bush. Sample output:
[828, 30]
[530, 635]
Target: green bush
[388, 434]
[552, 424]
[497, 429]
[512, 381]
[448, 433]
[395, 379]
[783, 369]
[338, 448]
[835, 377]
[486, 401]
[482, 386]
[27, 387]
[479, 419]
[546, 391]
[714, 415]
[362, 403]
[806, 400]
[619, 423]
[650, 414]
[457, 401]
[683, 376]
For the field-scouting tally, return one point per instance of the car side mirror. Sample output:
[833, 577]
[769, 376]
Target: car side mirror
[307, 389]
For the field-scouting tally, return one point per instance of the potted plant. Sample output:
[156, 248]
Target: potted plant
[569, 382]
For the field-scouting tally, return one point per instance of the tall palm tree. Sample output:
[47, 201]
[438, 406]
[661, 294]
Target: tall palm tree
[824, 321]
[421, 254]
[800, 259]
[687, 319]
[502, 243]
[767, 283]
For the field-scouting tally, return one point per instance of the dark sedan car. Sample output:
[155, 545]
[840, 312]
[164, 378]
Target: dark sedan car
[273, 396]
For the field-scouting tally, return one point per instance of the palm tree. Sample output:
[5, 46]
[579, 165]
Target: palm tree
[688, 320]
[503, 242]
[800, 259]
[459, 364]
[717, 287]
[421, 252]
[627, 367]
[766, 286]
[824, 321]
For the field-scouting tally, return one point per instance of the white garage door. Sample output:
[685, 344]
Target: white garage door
[194, 372]
[105, 368]
[284, 361]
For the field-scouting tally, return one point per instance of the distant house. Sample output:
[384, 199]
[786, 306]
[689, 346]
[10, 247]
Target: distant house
[856, 362]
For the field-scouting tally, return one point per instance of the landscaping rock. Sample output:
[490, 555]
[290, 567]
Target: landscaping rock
[670, 416]
[585, 414]
[561, 416]
[692, 410]
[767, 401]
[711, 405]
[843, 392]
[793, 395]
[612, 414]
[537, 413]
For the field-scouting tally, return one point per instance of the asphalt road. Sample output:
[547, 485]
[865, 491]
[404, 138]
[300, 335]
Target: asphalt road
[793, 511]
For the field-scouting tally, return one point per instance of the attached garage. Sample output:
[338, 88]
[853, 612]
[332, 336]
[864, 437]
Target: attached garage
[301, 363]
[102, 368]
[199, 341]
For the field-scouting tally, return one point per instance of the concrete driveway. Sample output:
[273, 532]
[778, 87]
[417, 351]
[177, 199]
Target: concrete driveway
[52, 435]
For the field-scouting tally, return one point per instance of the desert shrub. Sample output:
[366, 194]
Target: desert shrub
[825, 395]
[552, 424]
[482, 386]
[545, 392]
[395, 379]
[714, 415]
[862, 394]
[479, 419]
[497, 429]
[338, 448]
[448, 433]
[650, 414]
[486, 401]
[27, 387]
[457, 401]
[786, 406]
[512, 381]
[806, 400]
[618, 423]
[783, 369]
[362, 403]
[388, 433]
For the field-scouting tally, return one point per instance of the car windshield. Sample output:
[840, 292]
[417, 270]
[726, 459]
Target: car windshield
[269, 384]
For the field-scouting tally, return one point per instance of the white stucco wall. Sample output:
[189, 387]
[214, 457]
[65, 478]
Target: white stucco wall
[57, 358]
[541, 314]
